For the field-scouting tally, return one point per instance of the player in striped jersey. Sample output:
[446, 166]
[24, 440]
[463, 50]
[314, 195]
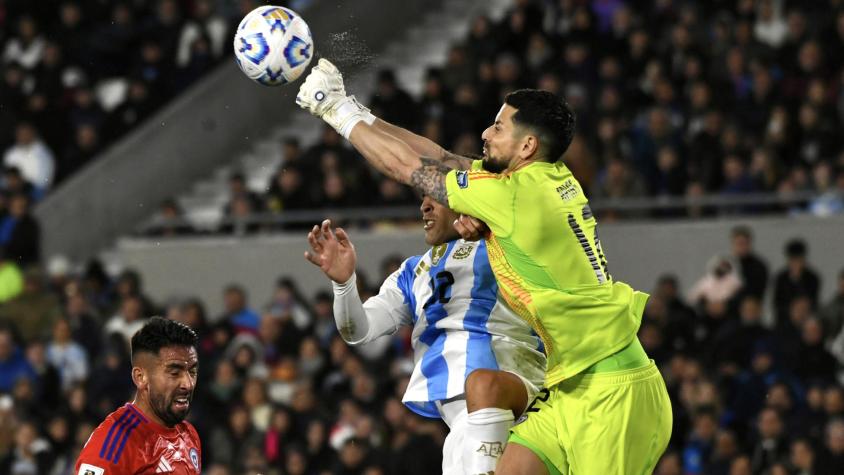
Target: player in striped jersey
[476, 362]
[150, 435]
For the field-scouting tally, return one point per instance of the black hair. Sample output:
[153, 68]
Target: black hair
[547, 115]
[795, 248]
[159, 333]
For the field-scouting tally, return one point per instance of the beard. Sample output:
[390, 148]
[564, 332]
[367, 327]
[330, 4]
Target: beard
[163, 408]
[494, 164]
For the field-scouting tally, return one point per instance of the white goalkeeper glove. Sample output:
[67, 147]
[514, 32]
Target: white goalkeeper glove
[324, 95]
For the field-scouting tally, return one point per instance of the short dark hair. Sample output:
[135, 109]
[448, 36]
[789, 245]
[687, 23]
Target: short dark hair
[548, 115]
[159, 333]
[743, 231]
[795, 248]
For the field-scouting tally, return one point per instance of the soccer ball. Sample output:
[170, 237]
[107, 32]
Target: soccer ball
[273, 45]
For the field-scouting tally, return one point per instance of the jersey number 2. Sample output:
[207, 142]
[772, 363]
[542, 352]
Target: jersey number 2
[440, 288]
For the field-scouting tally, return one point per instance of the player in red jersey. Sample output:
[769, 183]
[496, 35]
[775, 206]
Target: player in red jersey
[150, 435]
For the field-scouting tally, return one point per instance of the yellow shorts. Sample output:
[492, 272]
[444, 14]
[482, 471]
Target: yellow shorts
[599, 424]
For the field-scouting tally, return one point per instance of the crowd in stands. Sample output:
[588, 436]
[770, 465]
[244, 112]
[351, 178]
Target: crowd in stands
[78, 74]
[673, 99]
[754, 392]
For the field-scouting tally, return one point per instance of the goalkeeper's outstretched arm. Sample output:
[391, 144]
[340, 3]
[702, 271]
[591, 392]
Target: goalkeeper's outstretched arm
[396, 152]
[396, 159]
[423, 146]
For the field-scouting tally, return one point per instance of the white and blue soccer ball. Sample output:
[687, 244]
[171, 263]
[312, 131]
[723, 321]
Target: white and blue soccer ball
[273, 45]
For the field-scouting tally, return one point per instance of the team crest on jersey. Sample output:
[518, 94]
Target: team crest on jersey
[437, 253]
[88, 469]
[194, 458]
[463, 252]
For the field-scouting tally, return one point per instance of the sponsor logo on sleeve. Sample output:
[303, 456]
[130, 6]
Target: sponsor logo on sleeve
[463, 179]
[194, 458]
[88, 469]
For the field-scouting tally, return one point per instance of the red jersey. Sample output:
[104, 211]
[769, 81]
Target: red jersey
[128, 443]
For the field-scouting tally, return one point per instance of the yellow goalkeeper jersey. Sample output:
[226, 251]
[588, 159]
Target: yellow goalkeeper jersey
[547, 258]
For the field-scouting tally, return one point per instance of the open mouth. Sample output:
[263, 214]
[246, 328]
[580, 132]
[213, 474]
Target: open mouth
[429, 223]
[181, 402]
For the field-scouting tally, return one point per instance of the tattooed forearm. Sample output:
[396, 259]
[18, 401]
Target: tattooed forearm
[452, 160]
[430, 179]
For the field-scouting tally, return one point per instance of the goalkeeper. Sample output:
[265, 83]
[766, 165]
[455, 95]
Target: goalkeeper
[606, 409]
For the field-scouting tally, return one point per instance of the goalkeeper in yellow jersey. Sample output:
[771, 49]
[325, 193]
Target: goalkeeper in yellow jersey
[605, 409]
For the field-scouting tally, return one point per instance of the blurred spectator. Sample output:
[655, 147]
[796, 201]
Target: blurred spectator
[814, 362]
[237, 311]
[85, 144]
[753, 270]
[20, 233]
[719, 285]
[701, 443]
[830, 199]
[288, 302]
[771, 441]
[153, 66]
[130, 284]
[288, 190]
[204, 22]
[67, 356]
[72, 29]
[240, 218]
[84, 326]
[11, 278]
[795, 280]
[110, 41]
[13, 363]
[31, 156]
[45, 391]
[129, 319]
[619, 181]
[170, 221]
[27, 47]
[239, 189]
[110, 384]
[14, 183]
[736, 178]
[736, 340]
[229, 444]
[85, 110]
[139, 104]
[31, 453]
[391, 103]
[832, 459]
[164, 25]
[34, 311]
[770, 27]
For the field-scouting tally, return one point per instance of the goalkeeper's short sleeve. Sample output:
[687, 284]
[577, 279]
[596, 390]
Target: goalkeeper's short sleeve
[485, 195]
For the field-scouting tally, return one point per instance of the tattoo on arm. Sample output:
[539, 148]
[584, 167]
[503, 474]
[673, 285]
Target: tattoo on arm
[430, 179]
[452, 160]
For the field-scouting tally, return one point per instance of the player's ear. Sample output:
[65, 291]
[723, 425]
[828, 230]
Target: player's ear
[140, 377]
[530, 146]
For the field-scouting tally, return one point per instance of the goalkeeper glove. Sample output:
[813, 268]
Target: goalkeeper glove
[323, 94]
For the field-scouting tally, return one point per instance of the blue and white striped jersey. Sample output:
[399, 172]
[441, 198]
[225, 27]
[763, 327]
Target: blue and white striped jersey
[450, 297]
